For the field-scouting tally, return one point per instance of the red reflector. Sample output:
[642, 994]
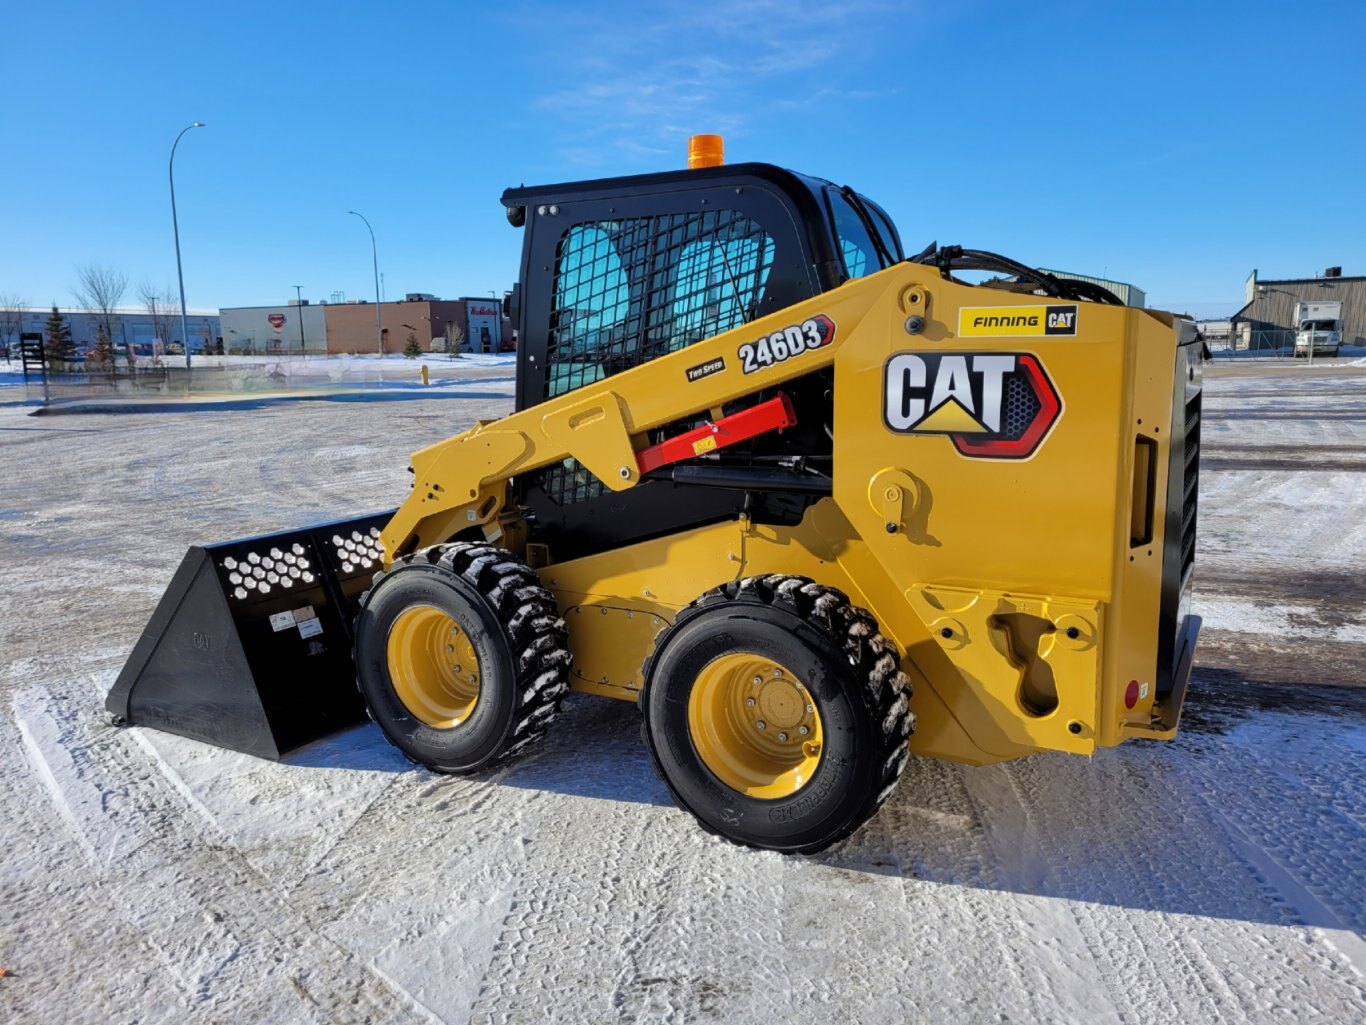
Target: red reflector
[1131, 694]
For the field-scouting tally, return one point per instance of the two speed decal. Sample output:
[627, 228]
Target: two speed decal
[786, 343]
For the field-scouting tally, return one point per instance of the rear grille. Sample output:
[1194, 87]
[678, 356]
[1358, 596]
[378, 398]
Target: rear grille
[1181, 513]
[1191, 488]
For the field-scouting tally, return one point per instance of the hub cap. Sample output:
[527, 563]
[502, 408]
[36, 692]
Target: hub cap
[754, 725]
[433, 667]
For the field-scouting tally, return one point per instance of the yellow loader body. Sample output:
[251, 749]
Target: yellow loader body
[794, 492]
[1022, 591]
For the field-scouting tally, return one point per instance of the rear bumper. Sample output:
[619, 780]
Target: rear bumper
[1166, 714]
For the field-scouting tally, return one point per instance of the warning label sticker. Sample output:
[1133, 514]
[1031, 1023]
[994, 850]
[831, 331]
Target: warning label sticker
[306, 619]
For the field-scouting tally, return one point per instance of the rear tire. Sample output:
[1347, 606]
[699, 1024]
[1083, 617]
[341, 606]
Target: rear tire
[461, 656]
[741, 685]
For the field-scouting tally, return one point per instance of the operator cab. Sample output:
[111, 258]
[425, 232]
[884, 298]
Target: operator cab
[619, 271]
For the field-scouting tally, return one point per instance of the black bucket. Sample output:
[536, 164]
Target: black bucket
[250, 646]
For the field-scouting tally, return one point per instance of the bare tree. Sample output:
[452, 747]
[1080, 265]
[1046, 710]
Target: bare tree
[161, 307]
[455, 337]
[100, 289]
[11, 321]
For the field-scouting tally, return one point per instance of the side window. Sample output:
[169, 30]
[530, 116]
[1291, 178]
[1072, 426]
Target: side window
[860, 255]
[856, 258]
[857, 248]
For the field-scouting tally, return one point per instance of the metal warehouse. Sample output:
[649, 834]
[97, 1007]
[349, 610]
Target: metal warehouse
[1267, 319]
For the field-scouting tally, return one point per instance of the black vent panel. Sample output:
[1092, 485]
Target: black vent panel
[1191, 485]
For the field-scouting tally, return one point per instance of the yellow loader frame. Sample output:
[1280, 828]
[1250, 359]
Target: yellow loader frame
[1026, 615]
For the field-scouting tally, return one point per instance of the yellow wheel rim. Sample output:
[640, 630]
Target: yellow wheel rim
[433, 667]
[754, 725]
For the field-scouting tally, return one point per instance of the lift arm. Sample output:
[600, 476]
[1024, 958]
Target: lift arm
[461, 482]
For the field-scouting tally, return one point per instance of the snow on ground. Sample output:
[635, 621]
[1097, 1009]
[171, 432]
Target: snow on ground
[146, 878]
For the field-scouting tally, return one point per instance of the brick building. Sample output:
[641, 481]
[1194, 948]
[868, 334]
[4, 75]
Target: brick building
[472, 324]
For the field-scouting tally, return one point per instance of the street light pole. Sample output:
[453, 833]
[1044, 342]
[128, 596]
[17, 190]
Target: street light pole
[299, 309]
[374, 255]
[175, 226]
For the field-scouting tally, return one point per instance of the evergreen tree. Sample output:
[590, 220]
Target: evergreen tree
[102, 355]
[60, 348]
[410, 347]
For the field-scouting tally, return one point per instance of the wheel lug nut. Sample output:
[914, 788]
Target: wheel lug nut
[782, 737]
[758, 680]
[761, 725]
[810, 708]
[749, 702]
[803, 730]
[777, 672]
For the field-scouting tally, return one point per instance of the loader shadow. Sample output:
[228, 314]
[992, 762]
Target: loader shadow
[1199, 827]
[1250, 814]
[594, 749]
[1216, 824]
[359, 749]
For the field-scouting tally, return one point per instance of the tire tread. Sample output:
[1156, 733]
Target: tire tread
[855, 633]
[531, 619]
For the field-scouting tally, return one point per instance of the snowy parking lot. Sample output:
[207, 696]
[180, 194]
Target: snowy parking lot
[146, 878]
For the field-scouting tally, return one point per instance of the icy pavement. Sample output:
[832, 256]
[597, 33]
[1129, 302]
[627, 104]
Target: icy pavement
[1281, 565]
[145, 878]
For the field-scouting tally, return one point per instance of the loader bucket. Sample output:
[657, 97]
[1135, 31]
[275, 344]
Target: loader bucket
[250, 646]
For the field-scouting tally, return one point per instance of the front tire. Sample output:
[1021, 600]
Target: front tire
[777, 713]
[461, 656]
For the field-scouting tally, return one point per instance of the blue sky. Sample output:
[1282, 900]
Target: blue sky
[1175, 146]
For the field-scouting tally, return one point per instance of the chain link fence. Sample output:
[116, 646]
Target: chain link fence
[1267, 343]
[147, 379]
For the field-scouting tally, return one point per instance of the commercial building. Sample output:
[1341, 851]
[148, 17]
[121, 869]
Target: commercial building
[135, 329]
[1267, 319]
[469, 324]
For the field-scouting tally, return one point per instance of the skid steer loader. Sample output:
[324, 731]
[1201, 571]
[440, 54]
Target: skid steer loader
[786, 489]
